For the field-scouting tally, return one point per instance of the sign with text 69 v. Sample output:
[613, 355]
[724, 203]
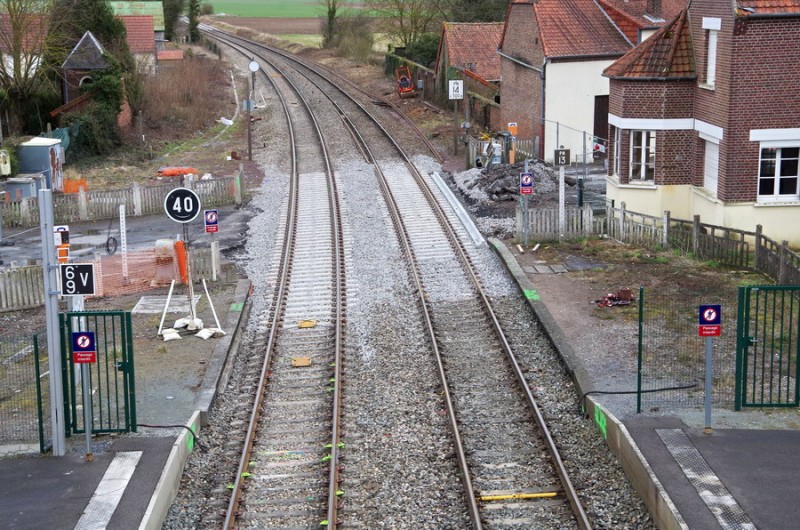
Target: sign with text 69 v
[77, 279]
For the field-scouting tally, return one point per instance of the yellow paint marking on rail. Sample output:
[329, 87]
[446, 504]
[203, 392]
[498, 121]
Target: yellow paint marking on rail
[511, 496]
[307, 324]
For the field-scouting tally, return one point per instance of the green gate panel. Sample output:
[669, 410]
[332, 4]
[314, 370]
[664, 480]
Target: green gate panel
[111, 377]
[767, 346]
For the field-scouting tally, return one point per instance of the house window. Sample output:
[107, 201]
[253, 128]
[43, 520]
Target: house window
[712, 27]
[643, 155]
[617, 151]
[711, 167]
[778, 174]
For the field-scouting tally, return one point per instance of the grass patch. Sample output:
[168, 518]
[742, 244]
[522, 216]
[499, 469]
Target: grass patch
[310, 41]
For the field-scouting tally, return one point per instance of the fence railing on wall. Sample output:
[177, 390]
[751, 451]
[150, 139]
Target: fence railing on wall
[138, 200]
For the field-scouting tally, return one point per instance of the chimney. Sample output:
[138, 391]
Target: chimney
[654, 8]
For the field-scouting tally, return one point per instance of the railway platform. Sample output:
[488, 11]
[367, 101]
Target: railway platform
[741, 476]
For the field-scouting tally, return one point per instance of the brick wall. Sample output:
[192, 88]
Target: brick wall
[521, 87]
[765, 95]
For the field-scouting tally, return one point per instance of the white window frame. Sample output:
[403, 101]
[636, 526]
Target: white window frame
[711, 167]
[712, 27]
[617, 159]
[646, 155]
[782, 158]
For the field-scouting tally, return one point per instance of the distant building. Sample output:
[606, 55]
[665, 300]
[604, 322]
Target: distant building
[553, 53]
[705, 118]
[471, 49]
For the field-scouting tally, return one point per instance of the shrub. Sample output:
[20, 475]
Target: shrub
[94, 131]
[354, 37]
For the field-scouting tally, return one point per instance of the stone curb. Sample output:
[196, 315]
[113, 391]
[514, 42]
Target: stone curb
[216, 373]
[663, 511]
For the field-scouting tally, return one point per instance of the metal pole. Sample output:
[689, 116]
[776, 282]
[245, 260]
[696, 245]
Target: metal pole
[250, 102]
[191, 325]
[123, 241]
[580, 179]
[562, 214]
[526, 216]
[455, 126]
[709, 380]
[76, 304]
[51, 319]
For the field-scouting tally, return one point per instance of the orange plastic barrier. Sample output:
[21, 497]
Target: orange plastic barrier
[180, 253]
[177, 171]
[74, 185]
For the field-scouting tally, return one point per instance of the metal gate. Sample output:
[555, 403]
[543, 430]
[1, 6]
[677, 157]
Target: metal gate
[767, 346]
[111, 377]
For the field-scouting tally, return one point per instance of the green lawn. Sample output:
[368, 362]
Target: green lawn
[272, 8]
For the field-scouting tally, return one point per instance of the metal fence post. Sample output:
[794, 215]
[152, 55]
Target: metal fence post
[639, 355]
[759, 242]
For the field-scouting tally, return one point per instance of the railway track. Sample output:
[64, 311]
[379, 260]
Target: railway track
[288, 474]
[511, 470]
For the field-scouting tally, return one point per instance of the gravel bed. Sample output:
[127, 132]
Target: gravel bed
[400, 470]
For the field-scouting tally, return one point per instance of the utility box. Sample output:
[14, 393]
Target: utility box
[45, 156]
[23, 186]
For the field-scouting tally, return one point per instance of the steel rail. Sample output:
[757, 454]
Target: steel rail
[333, 482]
[458, 247]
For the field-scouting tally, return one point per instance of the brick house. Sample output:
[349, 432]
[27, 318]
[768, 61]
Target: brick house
[471, 49]
[553, 53]
[705, 118]
[139, 35]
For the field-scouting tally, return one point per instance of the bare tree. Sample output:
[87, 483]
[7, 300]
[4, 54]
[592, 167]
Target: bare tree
[23, 42]
[407, 20]
[329, 29]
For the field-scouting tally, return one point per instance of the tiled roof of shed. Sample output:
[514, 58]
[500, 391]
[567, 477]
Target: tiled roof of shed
[139, 33]
[170, 55]
[32, 40]
[474, 45]
[575, 28]
[666, 55]
[768, 7]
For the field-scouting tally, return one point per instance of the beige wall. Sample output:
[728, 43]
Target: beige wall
[779, 222]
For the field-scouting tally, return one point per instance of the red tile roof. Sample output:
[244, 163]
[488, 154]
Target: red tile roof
[32, 40]
[577, 28]
[170, 55]
[667, 54]
[768, 7]
[474, 46]
[139, 33]
[634, 15]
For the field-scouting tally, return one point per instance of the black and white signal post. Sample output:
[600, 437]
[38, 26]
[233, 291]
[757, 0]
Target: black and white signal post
[182, 206]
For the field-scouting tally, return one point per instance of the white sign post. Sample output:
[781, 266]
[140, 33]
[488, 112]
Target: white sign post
[561, 159]
[456, 92]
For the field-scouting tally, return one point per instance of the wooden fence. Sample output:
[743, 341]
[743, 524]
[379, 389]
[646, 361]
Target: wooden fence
[138, 200]
[707, 242]
[23, 287]
[545, 223]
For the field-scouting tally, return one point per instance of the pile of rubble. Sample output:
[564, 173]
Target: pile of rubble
[501, 182]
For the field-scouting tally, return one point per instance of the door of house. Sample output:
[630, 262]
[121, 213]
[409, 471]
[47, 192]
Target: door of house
[767, 346]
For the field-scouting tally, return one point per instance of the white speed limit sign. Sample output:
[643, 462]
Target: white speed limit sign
[182, 205]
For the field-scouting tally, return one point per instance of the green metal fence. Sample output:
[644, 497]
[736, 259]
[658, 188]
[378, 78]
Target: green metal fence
[111, 377]
[671, 372]
[768, 346]
[24, 394]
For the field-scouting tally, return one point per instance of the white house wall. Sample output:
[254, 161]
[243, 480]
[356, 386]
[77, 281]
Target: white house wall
[570, 89]
[683, 202]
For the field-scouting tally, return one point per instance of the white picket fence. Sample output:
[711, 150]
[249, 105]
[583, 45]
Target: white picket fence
[138, 200]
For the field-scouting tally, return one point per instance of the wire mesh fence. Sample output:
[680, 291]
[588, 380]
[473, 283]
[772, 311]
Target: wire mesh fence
[23, 369]
[672, 354]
